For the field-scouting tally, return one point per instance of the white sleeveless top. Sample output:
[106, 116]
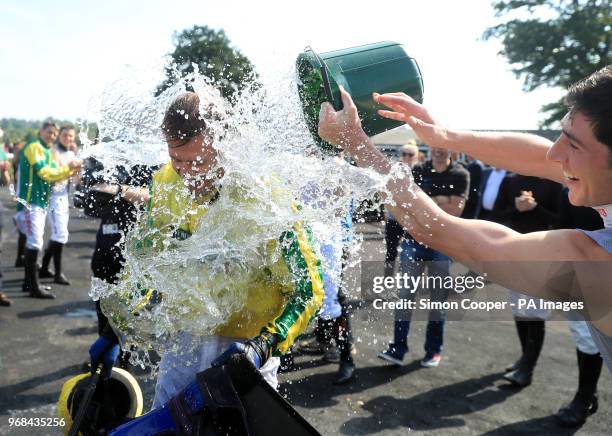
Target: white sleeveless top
[603, 237]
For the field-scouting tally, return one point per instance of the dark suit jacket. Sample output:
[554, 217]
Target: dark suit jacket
[474, 201]
[543, 217]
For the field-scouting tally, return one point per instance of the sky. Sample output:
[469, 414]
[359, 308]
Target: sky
[58, 56]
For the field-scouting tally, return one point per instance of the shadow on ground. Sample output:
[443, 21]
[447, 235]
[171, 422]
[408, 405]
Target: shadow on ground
[22, 400]
[85, 308]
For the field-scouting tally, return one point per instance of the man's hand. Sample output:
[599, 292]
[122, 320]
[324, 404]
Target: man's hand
[405, 108]
[341, 128]
[104, 350]
[257, 350]
[75, 165]
[525, 202]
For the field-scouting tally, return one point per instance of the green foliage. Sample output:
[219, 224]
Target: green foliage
[212, 52]
[573, 41]
[16, 130]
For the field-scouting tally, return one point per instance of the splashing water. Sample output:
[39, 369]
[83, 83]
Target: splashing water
[267, 156]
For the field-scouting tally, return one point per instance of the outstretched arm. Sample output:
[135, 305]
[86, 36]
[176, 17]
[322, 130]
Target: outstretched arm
[518, 152]
[37, 159]
[513, 260]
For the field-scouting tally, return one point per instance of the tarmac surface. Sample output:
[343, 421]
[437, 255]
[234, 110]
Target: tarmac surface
[44, 342]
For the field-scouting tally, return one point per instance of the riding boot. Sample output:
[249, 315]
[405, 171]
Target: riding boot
[20, 261]
[522, 376]
[585, 401]
[60, 278]
[344, 339]
[30, 283]
[43, 272]
[522, 328]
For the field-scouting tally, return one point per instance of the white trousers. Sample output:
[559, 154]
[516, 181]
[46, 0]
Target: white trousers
[582, 337]
[195, 354]
[31, 222]
[59, 213]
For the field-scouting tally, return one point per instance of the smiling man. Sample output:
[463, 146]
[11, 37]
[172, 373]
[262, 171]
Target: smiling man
[563, 265]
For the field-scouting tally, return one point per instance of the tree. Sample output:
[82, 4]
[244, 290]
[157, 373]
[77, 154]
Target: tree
[211, 50]
[573, 41]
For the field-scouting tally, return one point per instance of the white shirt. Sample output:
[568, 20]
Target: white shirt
[491, 190]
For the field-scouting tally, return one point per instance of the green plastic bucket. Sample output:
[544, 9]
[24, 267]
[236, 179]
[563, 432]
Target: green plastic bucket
[381, 67]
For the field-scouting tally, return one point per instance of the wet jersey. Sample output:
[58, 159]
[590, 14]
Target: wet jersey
[37, 169]
[280, 296]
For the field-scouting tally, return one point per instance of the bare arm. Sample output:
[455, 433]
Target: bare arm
[529, 262]
[518, 152]
[135, 194]
[132, 194]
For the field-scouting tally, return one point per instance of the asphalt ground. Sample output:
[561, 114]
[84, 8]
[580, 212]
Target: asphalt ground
[44, 342]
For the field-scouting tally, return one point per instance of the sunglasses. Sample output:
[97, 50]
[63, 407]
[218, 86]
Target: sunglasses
[407, 154]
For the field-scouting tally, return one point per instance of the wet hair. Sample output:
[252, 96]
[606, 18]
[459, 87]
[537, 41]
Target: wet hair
[66, 127]
[592, 96]
[48, 124]
[182, 120]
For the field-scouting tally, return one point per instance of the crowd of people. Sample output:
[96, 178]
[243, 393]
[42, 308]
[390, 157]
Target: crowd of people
[484, 213]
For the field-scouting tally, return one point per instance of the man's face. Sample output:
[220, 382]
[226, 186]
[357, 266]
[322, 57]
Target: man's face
[409, 156]
[585, 161]
[194, 161]
[49, 135]
[66, 138]
[439, 156]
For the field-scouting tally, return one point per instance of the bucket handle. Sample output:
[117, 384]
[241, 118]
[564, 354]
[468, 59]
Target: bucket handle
[324, 76]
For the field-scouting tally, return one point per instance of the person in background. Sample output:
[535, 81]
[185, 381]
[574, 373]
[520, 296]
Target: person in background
[333, 321]
[4, 166]
[448, 184]
[491, 181]
[409, 155]
[4, 170]
[526, 204]
[21, 239]
[114, 199]
[59, 211]
[473, 203]
[37, 170]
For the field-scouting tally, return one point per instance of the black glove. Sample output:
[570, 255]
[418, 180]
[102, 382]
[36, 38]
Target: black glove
[257, 350]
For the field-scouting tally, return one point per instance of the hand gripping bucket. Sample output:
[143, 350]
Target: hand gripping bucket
[381, 67]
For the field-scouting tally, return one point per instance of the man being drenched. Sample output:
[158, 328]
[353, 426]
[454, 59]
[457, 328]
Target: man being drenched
[280, 291]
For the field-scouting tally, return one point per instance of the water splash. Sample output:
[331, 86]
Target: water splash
[267, 156]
